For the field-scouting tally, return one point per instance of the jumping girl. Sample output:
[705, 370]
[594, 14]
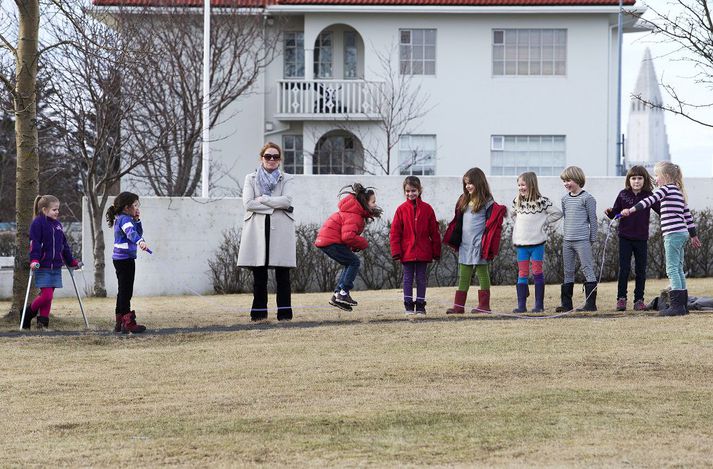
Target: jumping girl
[676, 225]
[475, 233]
[339, 238]
[124, 217]
[633, 234]
[531, 213]
[49, 251]
[415, 241]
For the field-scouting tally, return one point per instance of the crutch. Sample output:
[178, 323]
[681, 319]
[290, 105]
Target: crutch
[27, 296]
[76, 290]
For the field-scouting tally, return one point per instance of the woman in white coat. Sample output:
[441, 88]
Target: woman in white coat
[268, 237]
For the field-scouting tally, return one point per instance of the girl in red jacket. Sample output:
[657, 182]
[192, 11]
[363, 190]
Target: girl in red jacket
[415, 241]
[339, 238]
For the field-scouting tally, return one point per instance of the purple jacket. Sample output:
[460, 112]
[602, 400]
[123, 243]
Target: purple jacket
[48, 245]
[635, 226]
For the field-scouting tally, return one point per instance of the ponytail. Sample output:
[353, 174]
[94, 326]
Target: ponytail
[673, 173]
[121, 201]
[42, 202]
[362, 195]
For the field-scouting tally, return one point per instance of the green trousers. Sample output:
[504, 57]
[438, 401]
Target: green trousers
[465, 274]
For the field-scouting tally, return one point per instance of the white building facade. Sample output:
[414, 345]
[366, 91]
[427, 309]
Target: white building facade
[509, 86]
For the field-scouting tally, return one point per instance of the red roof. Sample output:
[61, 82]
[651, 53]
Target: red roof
[263, 3]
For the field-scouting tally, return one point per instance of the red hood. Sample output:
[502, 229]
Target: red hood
[350, 204]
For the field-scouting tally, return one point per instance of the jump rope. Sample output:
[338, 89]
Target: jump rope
[612, 223]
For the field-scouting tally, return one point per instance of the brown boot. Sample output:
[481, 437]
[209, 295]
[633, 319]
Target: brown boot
[117, 326]
[458, 303]
[128, 324]
[483, 302]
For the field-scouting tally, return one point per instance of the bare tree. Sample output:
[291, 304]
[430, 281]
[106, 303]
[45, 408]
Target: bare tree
[400, 105]
[688, 25]
[169, 86]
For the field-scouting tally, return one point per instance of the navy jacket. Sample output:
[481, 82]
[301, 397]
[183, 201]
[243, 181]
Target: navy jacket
[48, 244]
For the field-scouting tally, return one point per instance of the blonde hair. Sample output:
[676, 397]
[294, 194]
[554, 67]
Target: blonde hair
[533, 190]
[673, 173]
[44, 201]
[573, 173]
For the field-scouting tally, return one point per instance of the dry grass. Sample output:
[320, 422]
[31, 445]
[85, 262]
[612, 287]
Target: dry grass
[366, 388]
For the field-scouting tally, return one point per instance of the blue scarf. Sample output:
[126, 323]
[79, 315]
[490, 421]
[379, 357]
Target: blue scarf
[267, 181]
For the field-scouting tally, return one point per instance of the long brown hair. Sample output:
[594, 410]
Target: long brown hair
[121, 201]
[639, 171]
[481, 194]
[362, 195]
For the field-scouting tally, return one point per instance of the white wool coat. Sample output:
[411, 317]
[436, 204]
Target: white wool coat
[282, 224]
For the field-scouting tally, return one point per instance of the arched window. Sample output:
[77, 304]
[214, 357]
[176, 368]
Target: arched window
[338, 152]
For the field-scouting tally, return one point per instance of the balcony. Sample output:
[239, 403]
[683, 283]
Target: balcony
[354, 100]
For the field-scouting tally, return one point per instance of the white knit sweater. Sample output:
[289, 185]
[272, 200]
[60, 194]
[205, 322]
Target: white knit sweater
[531, 219]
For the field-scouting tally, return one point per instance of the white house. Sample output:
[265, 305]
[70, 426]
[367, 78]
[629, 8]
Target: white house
[511, 85]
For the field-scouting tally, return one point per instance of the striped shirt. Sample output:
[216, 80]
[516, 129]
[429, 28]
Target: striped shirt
[580, 217]
[675, 216]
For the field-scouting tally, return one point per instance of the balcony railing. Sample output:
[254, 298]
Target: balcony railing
[328, 100]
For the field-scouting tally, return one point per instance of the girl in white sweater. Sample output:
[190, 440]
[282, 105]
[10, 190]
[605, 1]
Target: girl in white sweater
[531, 213]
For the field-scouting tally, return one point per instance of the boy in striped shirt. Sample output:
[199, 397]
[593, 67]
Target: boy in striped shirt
[676, 226]
[580, 231]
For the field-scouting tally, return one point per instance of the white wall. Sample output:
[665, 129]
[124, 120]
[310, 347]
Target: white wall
[184, 233]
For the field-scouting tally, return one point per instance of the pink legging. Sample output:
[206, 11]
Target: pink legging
[43, 302]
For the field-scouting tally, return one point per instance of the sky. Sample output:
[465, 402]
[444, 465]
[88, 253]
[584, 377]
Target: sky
[691, 144]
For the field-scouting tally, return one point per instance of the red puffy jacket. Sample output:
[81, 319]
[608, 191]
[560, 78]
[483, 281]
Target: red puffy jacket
[414, 233]
[345, 226]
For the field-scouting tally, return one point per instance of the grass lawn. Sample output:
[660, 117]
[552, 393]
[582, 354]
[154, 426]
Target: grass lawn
[205, 387]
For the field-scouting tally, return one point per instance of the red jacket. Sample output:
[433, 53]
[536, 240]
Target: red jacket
[345, 226]
[414, 233]
[490, 243]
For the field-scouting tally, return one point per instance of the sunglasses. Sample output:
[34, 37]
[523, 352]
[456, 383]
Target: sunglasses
[271, 157]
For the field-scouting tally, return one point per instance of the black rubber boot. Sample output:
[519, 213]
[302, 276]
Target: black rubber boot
[567, 290]
[43, 322]
[678, 304]
[590, 293]
[29, 316]
[523, 291]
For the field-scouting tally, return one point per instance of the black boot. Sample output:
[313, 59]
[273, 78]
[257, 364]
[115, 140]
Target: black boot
[43, 322]
[409, 306]
[590, 293]
[678, 304]
[421, 308]
[29, 316]
[567, 290]
[523, 291]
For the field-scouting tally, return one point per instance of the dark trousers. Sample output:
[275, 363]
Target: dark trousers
[125, 272]
[342, 254]
[638, 248]
[284, 293]
[284, 289]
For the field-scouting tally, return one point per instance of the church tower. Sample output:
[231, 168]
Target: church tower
[646, 141]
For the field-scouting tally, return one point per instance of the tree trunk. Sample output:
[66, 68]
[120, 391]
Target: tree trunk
[27, 185]
[98, 247]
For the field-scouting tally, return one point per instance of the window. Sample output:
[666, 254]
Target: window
[417, 51]
[350, 54]
[529, 52]
[417, 155]
[543, 154]
[323, 55]
[338, 154]
[292, 154]
[294, 55]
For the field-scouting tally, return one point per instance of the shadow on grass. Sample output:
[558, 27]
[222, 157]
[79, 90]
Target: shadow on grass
[297, 324]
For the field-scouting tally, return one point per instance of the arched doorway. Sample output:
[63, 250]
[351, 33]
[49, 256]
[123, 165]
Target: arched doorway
[338, 152]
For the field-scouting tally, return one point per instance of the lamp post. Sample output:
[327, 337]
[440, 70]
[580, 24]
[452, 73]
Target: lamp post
[619, 141]
[205, 174]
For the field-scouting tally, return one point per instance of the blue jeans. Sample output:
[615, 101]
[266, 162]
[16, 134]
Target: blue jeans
[673, 245]
[342, 254]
